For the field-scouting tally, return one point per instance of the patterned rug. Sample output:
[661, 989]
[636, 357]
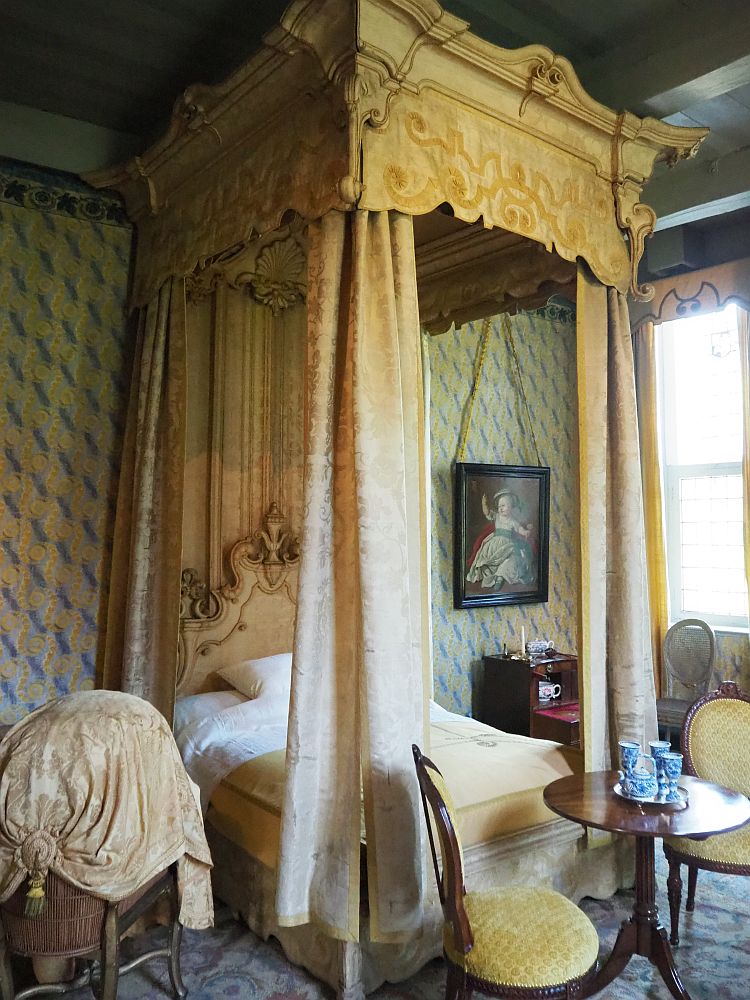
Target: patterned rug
[229, 961]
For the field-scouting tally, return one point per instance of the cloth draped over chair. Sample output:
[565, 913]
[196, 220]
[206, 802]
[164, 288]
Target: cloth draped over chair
[92, 788]
[144, 594]
[620, 702]
[360, 640]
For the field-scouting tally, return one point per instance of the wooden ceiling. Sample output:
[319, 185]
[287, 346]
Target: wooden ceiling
[112, 70]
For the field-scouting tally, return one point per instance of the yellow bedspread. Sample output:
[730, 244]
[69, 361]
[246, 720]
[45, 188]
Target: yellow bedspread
[496, 780]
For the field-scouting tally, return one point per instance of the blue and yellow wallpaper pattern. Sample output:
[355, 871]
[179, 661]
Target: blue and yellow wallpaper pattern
[732, 661]
[65, 257]
[499, 434]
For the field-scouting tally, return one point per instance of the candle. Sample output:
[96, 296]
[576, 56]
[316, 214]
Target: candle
[523, 641]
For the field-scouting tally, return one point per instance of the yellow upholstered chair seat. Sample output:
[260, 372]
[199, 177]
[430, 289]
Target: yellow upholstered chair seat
[504, 921]
[714, 741]
[731, 848]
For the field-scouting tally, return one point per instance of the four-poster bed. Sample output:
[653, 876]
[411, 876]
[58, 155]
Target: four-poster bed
[508, 834]
[318, 208]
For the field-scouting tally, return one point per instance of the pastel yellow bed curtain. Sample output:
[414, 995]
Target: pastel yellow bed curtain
[644, 349]
[144, 605]
[619, 699]
[359, 651]
[743, 323]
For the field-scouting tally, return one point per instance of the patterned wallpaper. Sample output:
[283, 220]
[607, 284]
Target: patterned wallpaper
[545, 343]
[732, 659]
[64, 253]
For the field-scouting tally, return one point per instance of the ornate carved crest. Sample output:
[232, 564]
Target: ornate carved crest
[189, 111]
[272, 272]
[269, 550]
[252, 615]
[196, 600]
[545, 77]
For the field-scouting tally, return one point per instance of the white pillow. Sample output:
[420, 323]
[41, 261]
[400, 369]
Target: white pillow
[195, 707]
[269, 677]
[440, 714]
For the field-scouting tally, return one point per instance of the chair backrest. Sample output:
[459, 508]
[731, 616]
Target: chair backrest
[440, 812]
[716, 736]
[689, 652]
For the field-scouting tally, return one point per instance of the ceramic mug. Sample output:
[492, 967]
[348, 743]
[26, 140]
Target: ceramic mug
[658, 748]
[549, 690]
[672, 770]
[629, 754]
[641, 782]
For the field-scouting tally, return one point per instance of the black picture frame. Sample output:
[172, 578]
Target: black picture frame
[501, 535]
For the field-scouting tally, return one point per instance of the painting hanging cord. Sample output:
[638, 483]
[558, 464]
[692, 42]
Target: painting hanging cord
[481, 355]
[501, 533]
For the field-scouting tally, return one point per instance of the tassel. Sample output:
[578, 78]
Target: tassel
[36, 900]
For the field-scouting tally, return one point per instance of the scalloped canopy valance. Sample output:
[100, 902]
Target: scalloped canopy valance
[394, 104]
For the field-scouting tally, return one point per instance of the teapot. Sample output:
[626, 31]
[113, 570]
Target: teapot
[641, 782]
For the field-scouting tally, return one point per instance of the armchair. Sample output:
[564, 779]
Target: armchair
[715, 737]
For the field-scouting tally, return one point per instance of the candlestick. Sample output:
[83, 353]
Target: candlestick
[523, 641]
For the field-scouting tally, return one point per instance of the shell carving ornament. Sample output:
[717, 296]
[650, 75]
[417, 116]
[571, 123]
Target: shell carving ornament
[279, 275]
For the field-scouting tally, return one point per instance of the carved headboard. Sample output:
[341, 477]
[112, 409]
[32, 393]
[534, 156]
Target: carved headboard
[252, 616]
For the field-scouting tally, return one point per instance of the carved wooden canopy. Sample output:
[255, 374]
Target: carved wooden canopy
[394, 104]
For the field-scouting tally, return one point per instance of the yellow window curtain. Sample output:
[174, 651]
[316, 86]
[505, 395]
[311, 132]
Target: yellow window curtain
[360, 641]
[706, 291]
[619, 701]
[644, 349]
[743, 322]
[144, 605]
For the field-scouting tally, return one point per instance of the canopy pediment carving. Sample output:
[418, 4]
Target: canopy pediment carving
[394, 104]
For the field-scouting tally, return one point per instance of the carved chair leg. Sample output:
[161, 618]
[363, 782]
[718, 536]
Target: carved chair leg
[692, 882]
[175, 940]
[110, 955]
[7, 987]
[674, 894]
[455, 984]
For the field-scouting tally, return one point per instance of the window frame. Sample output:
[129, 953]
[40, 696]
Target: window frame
[671, 475]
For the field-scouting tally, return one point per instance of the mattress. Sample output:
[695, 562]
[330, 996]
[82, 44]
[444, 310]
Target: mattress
[496, 780]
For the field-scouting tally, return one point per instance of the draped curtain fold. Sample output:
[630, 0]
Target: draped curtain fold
[360, 641]
[743, 323]
[144, 604]
[644, 349]
[618, 680]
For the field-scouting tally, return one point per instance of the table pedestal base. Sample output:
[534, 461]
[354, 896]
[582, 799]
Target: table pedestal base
[642, 934]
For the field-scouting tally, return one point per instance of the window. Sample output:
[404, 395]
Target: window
[701, 441]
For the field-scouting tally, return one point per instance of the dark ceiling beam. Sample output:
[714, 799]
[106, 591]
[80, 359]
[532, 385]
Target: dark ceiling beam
[675, 62]
[700, 190]
[59, 142]
[504, 23]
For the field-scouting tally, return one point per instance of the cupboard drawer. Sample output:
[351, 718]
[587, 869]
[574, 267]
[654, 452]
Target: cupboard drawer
[559, 723]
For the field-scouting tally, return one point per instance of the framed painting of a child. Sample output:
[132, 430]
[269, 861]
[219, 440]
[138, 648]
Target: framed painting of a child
[501, 543]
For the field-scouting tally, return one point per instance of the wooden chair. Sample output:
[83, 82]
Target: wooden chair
[715, 740]
[689, 651]
[520, 942]
[77, 925]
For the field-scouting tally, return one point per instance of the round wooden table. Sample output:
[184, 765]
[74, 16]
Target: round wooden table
[590, 799]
